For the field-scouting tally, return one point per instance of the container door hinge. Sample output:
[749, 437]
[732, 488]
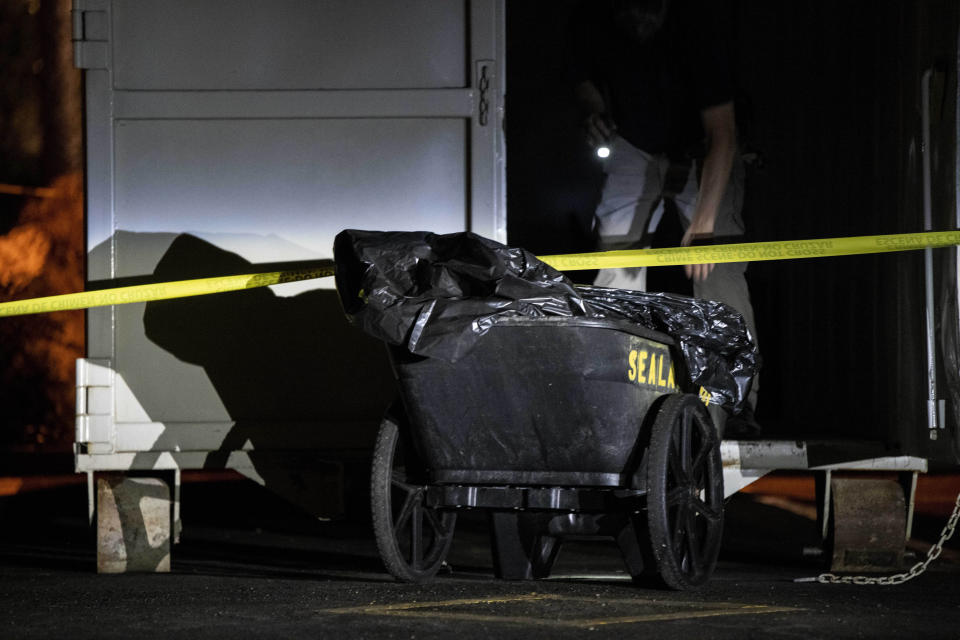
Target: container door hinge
[94, 415]
[91, 30]
[485, 90]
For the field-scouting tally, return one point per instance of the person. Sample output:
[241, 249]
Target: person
[653, 81]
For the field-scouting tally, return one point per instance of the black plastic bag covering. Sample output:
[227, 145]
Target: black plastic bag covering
[438, 294]
[718, 351]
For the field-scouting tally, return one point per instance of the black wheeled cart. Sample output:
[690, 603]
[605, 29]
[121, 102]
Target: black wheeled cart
[557, 427]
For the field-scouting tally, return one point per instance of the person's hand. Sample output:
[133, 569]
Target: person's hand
[599, 129]
[697, 234]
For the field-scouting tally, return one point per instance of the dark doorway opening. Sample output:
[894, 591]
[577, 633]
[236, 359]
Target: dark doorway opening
[829, 113]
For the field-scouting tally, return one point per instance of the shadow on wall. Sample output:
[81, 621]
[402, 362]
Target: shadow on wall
[270, 358]
[292, 382]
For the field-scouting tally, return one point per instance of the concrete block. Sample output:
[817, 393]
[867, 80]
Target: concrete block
[870, 524]
[133, 524]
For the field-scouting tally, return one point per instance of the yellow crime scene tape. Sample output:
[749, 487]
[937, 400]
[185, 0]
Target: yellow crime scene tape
[159, 291]
[742, 252]
[753, 251]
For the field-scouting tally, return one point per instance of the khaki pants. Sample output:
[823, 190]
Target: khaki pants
[637, 187]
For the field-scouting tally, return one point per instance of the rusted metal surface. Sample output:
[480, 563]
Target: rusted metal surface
[133, 524]
[869, 524]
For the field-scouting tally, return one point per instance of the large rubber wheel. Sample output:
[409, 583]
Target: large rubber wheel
[684, 493]
[412, 538]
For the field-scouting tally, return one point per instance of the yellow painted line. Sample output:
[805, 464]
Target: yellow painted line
[741, 610]
[487, 618]
[436, 611]
[754, 251]
[393, 609]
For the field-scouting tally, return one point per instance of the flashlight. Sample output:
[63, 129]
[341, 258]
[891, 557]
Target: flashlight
[603, 151]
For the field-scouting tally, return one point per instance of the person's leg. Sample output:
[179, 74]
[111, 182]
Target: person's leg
[727, 282]
[631, 193]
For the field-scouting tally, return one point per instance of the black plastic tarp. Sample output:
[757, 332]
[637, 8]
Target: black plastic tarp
[438, 294]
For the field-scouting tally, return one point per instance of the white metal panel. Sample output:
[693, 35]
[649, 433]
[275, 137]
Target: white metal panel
[488, 156]
[263, 129]
[302, 181]
[367, 103]
[289, 44]
[94, 418]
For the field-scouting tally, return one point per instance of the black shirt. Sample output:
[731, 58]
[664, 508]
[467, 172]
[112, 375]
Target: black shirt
[654, 90]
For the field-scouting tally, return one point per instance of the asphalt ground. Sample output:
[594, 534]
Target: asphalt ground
[249, 566]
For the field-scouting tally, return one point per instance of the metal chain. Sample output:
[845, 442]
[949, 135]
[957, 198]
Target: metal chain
[898, 578]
